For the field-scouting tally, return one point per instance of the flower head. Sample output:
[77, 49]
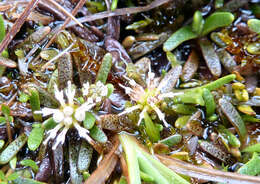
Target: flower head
[146, 99]
[68, 115]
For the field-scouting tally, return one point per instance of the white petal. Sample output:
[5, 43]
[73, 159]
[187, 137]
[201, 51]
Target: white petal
[83, 132]
[59, 95]
[68, 121]
[52, 133]
[70, 93]
[161, 115]
[127, 89]
[86, 106]
[98, 99]
[79, 115]
[85, 89]
[104, 91]
[151, 76]
[46, 111]
[131, 81]
[130, 109]
[58, 116]
[60, 138]
[141, 116]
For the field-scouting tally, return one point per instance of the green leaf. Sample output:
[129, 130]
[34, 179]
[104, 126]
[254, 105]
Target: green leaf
[12, 149]
[232, 139]
[84, 156]
[30, 163]
[172, 58]
[35, 138]
[2, 175]
[12, 176]
[49, 124]
[2, 143]
[172, 140]
[13, 163]
[139, 24]
[233, 116]
[131, 159]
[35, 104]
[197, 23]
[220, 82]
[104, 68]
[114, 5]
[181, 121]
[254, 25]
[150, 128]
[5, 110]
[89, 121]
[217, 20]
[97, 134]
[252, 167]
[209, 102]
[24, 97]
[110, 89]
[252, 148]
[2, 28]
[183, 34]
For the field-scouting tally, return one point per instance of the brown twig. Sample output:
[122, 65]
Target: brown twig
[74, 12]
[206, 173]
[118, 12]
[65, 11]
[17, 25]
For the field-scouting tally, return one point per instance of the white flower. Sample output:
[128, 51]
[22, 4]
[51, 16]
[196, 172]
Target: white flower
[68, 115]
[95, 92]
[146, 99]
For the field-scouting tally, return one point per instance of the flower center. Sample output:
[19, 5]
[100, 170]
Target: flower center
[68, 111]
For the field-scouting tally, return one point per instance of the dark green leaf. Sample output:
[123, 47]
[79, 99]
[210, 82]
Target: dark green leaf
[104, 68]
[30, 163]
[49, 124]
[35, 104]
[97, 134]
[12, 149]
[85, 156]
[183, 34]
[35, 138]
[150, 128]
[233, 116]
[217, 20]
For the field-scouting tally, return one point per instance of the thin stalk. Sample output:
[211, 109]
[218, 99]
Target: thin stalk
[118, 12]
[17, 25]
